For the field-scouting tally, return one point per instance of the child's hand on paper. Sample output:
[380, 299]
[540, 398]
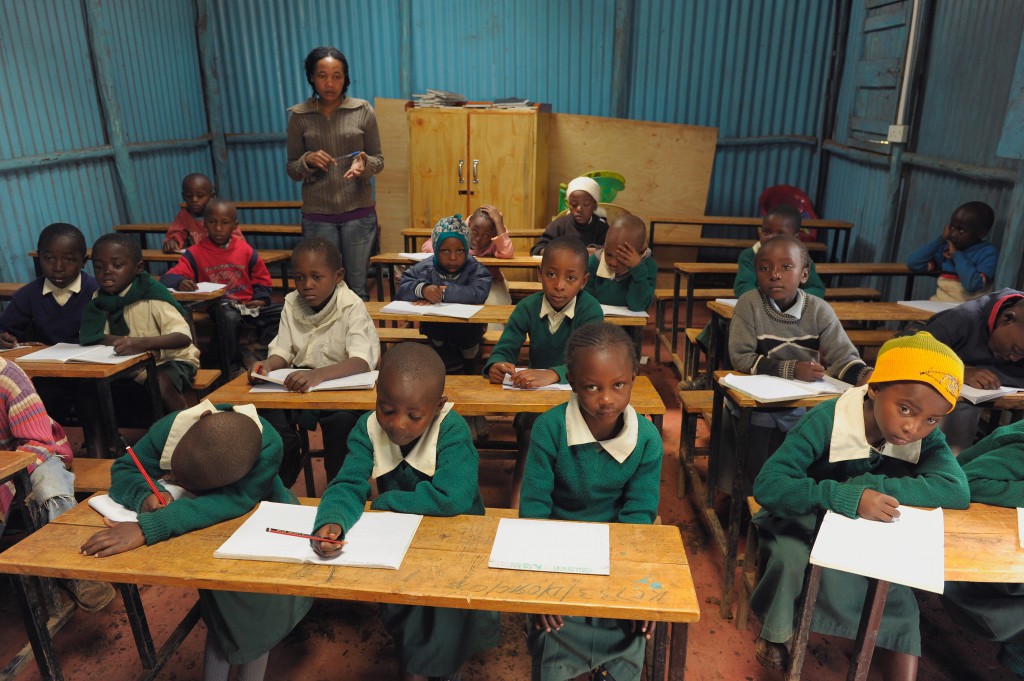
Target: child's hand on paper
[152, 503]
[171, 246]
[7, 341]
[127, 345]
[877, 506]
[117, 538]
[808, 371]
[257, 369]
[187, 285]
[326, 549]
[498, 370]
[431, 294]
[548, 623]
[643, 628]
[981, 378]
[303, 381]
[534, 378]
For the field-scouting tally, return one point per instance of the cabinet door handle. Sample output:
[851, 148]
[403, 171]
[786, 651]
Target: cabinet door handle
[461, 165]
[476, 167]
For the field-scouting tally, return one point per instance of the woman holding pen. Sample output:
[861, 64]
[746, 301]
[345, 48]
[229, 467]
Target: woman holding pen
[334, 150]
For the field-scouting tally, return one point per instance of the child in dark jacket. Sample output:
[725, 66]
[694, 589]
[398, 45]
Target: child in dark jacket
[450, 276]
[966, 263]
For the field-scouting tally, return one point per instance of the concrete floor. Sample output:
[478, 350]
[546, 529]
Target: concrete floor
[341, 640]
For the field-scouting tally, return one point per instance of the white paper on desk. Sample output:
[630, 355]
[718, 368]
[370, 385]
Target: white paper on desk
[769, 389]
[19, 345]
[377, 540]
[932, 306]
[108, 508]
[731, 302]
[415, 256]
[551, 546]
[506, 383]
[622, 311]
[977, 395]
[208, 286]
[910, 551]
[71, 352]
[458, 310]
[1020, 527]
[274, 382]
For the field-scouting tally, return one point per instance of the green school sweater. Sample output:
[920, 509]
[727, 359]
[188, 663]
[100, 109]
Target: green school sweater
[585, 482]
[799, 479]
[635, 292]
[129, 488]
[547, 350]
[995, 467]
[453, 489]
[746, 277]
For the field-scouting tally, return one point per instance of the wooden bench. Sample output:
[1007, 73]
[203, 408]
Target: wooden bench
[695, 404]
[91, 475]
[143, 229]
[840, 228]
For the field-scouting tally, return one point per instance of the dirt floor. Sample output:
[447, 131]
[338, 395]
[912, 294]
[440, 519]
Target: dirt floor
[345, 641]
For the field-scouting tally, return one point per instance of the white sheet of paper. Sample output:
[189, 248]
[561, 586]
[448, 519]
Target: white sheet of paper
[976, 395]
[769, 389]
[731, 302]
[622, 311]
[458, 310]
[415, 256]
[275, 382]
[209, 286]
[19, 345]
[910, 551]
[506, 383]
[71, 352]
[551, 546]
[932, 306]
[108, 508]
[377, 540]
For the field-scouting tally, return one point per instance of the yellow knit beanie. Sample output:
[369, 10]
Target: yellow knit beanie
[920, 358]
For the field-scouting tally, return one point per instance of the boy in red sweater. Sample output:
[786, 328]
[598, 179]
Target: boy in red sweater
[222, 259]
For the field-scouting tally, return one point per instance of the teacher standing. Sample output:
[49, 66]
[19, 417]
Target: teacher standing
[334, 150]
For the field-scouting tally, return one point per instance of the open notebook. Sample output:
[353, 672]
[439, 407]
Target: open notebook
[71, 352]
[622, 311]
[908, 551]
[551, 546]
[377, 540]
[774, 389]
[108, 508]
[978, 395]
[275, 382]
[441, 309]
[506, 383]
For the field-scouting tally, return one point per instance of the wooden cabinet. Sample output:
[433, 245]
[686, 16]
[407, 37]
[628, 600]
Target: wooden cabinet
[461, 158]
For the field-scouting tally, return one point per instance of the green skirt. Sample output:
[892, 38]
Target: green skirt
[584, 643]
[437, 641]
[247, 625]
[785, 554]
[993, 611]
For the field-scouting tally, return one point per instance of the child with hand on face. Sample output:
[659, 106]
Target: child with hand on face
[966, 263]
[325, 331]
[226, 459]
[420, 452]
[595, 460]
[222, 259]
[451, 276]
[548, 319]
[189, 227]
[583, 221]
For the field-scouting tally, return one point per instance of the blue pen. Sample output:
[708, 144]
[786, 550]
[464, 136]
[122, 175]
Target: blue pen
[352, 155]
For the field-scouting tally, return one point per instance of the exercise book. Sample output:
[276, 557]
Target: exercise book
[274, 382]
[459, 310]
[769, 389]
[506, 383]
[551, 546]
[71, 352]
[622, 311]
[108, 508]
[978, 395]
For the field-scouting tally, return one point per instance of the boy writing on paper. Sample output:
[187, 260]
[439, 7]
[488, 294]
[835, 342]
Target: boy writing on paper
[593, 459]
[451, 276]
[326, 331]
[548, 319]
[966, 263]
[861, 455]
[419, 451]
[780, 330]
[995, 473]
[226, 458]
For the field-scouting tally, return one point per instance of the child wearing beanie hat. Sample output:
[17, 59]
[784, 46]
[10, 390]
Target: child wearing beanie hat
[863, 454]
[451, 276]
[581, 220]
[228, 457]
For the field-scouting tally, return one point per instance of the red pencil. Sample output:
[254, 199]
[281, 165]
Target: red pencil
[306, 536]
[138, 464]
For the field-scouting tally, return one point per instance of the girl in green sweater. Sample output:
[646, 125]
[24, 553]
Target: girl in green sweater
[593, 460]
[420, 452]
[863, 454]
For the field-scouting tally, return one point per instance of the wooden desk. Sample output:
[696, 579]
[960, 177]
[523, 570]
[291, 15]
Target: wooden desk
[411, 235]
[445, 566]
[14, 468]
[472, 396]
[143, 229]
[8, 289]
[491, 314]
[102, 375]
[391, 260]
[840, 228]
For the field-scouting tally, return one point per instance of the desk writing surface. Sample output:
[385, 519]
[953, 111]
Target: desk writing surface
[490, 314]
[521, 261]
[512, 233]
[848, 311]
[14, 462]
[155, 255]
[8, 289]
[734, 221]
[745, 401]
[827, 268]
[70, 369]
[446, 566]
[472, 396]
[982, 545]
[154, 227]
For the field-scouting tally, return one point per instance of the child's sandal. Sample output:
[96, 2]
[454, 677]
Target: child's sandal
[771, 655]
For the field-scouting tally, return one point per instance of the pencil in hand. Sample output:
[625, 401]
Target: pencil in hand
[138, 464]
[301, 535]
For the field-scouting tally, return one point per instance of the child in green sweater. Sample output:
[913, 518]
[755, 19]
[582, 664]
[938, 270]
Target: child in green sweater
[548, 319]
[995, 473]
[421, 455]
[593, 460]
[227, 460]
[863, 454]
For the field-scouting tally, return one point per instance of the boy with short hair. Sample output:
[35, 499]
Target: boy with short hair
[222, 259]
[966, 263]
[860, 455]
[134, 313]
[421, 455]
[188, 229]
[227, 459]
[780, 219]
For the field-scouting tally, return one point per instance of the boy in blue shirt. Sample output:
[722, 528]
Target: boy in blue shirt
[966, 263]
